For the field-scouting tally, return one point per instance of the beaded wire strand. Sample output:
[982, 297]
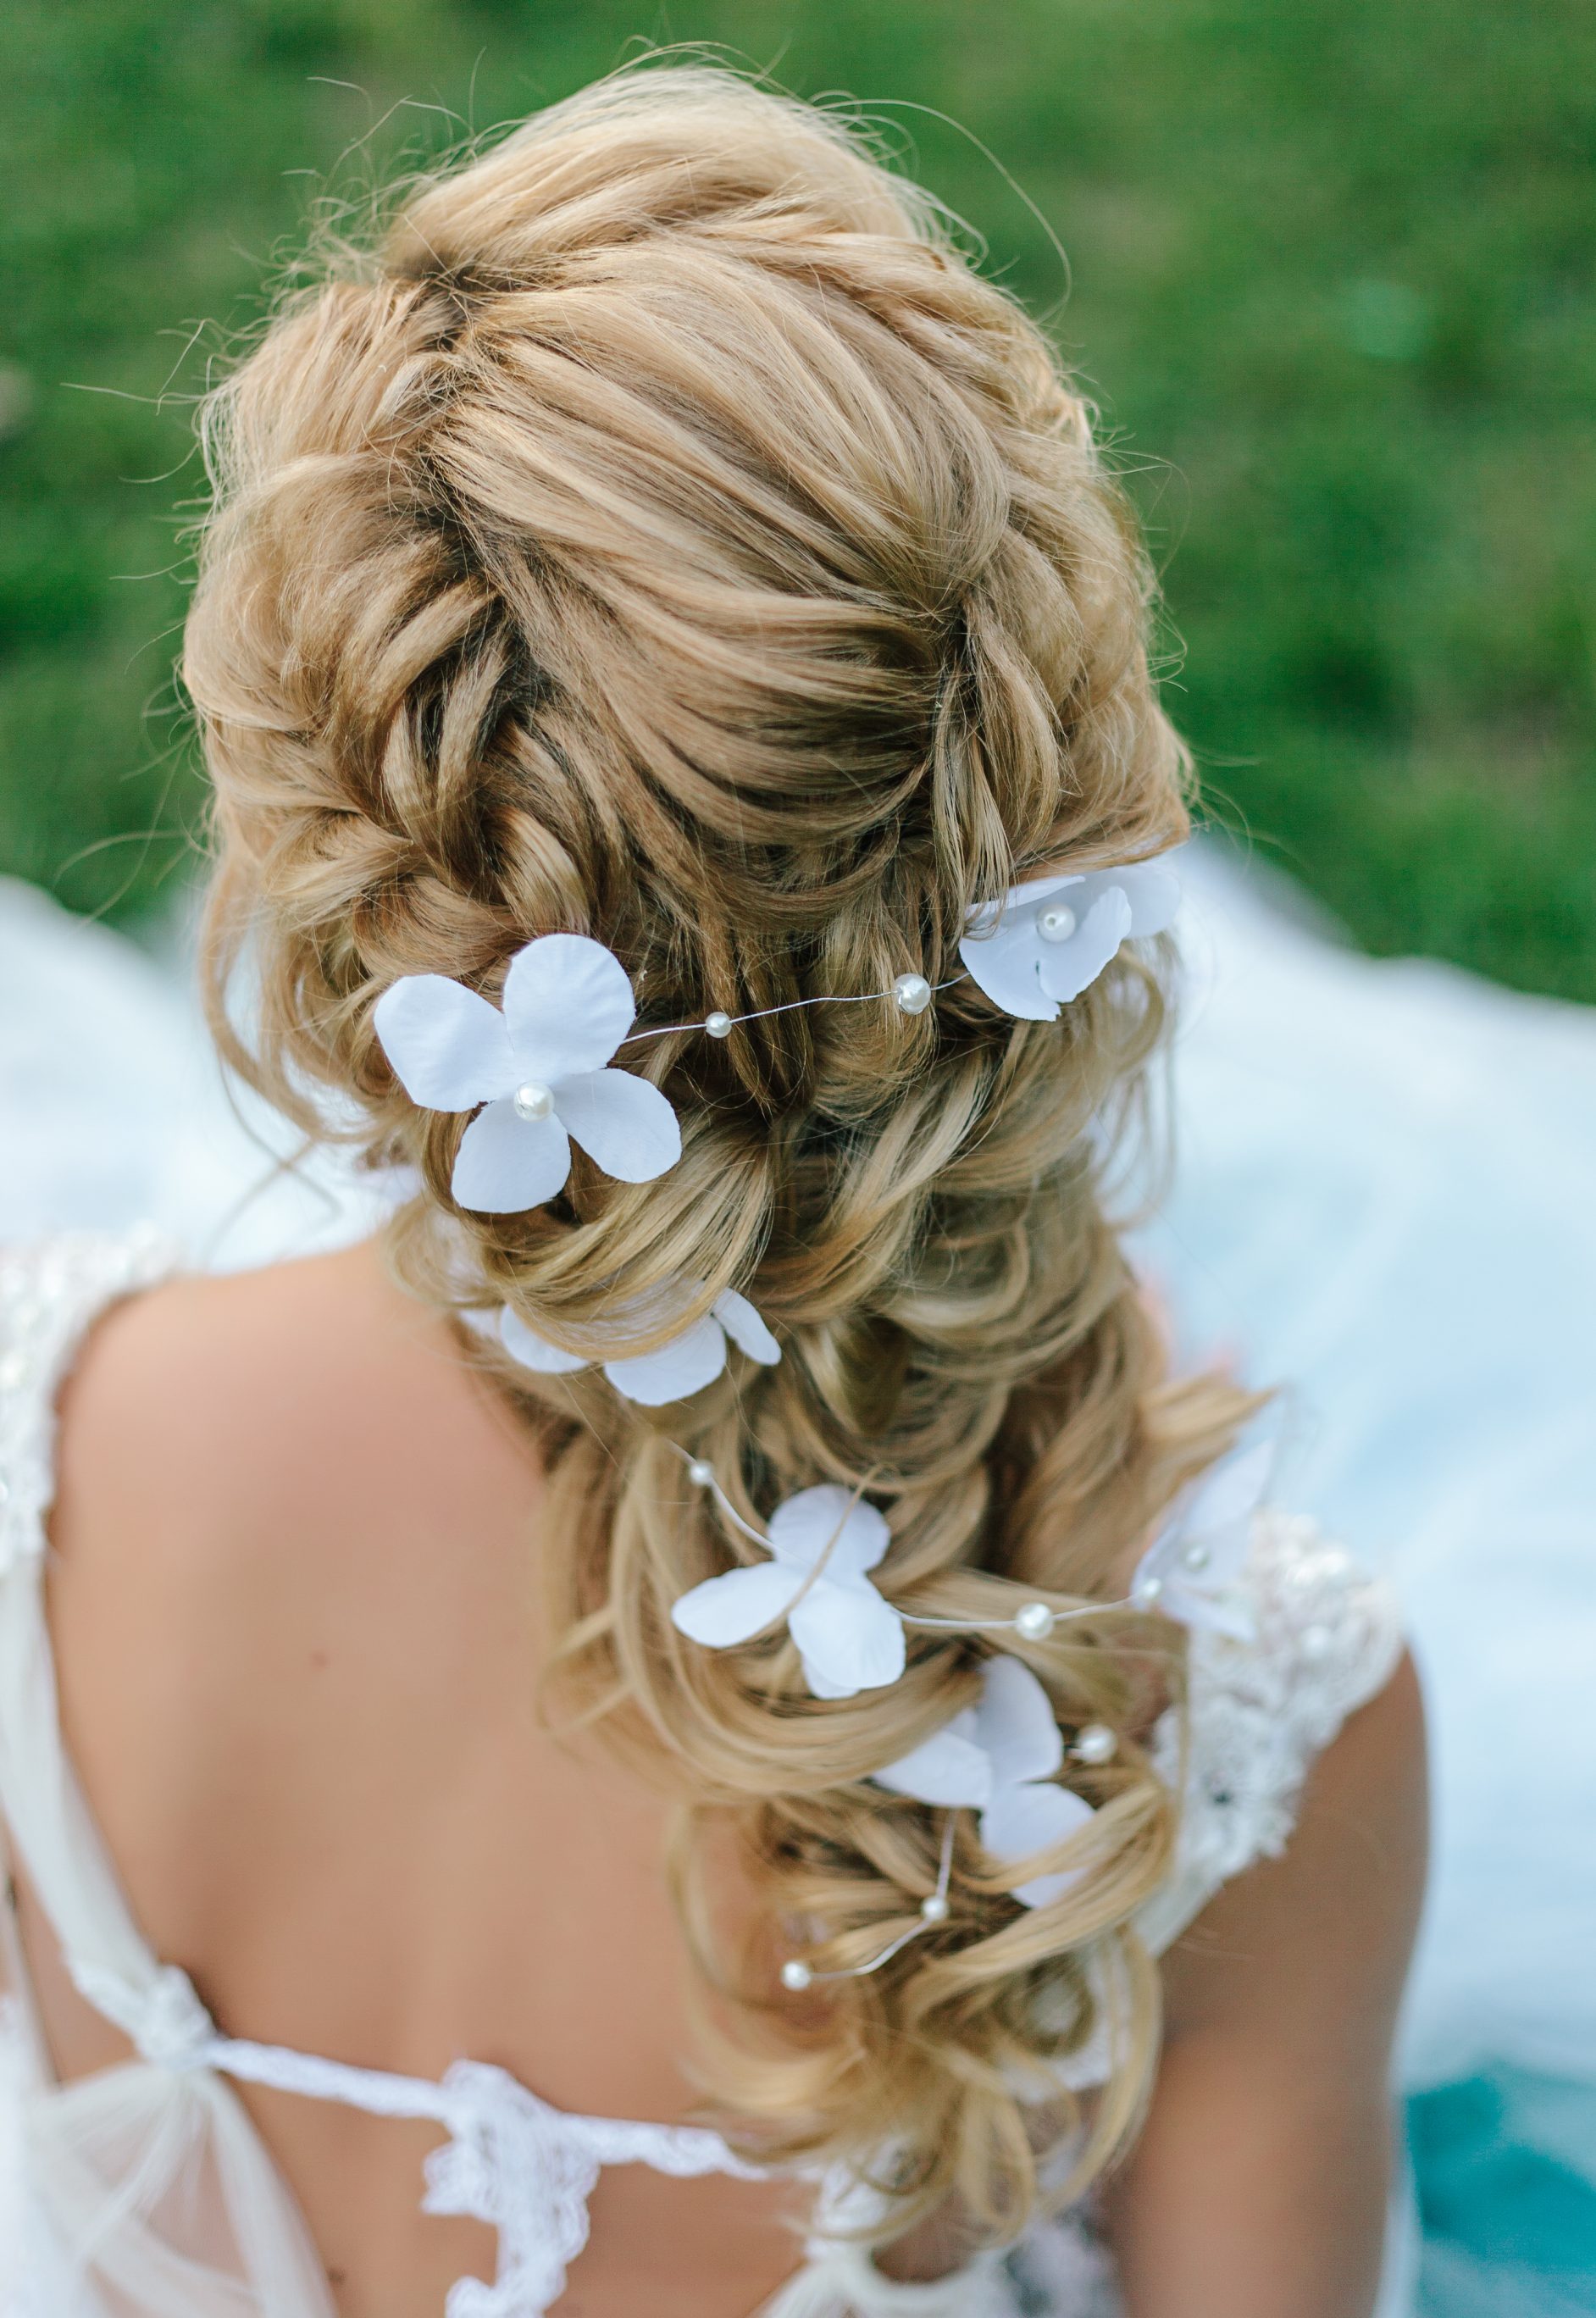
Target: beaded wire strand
[1032, 1621]
[796, 1975]
[912, 994]
[1094, 1745]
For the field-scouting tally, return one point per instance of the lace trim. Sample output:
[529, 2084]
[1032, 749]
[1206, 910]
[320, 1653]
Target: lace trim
[512, 2159]
[50, 1295]
[1328, 1637]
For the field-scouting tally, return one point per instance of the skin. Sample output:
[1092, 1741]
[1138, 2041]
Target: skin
[297, 1689]
[1259, 2184]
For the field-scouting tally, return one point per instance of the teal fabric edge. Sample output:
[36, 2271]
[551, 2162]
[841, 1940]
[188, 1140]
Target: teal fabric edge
[1504, 2167]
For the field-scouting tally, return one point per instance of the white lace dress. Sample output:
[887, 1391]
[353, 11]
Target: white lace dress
[144, 2191]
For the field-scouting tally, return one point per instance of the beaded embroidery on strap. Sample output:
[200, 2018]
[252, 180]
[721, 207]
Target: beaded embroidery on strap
[50, 1295]
[1328, 1637]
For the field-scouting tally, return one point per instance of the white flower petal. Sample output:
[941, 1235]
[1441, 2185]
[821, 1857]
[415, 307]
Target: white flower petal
[1067, 968]
[568, 1005]
[828, 1516]
[449, 1048]
[746, 1329]
[1005, 964]
[1213, 1520]
[507, 1164]
[1022, 1820]
[523, 1344]
[1015, 1724]
[1032, 890]
[730, 1609]
[684, 1366]
[1153, 891]
[950, 1768]
[848, 1637]
[623, 1123]
[821, 1685]
[1218, 1610]
[1017, 903]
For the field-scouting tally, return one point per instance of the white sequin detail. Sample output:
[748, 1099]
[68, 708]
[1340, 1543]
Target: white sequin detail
[49, 1294]
[1327, 1638]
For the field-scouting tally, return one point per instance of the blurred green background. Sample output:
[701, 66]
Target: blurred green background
[1330, 280]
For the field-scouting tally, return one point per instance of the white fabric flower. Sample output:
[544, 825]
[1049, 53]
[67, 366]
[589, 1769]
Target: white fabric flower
[1049, 938]
[848, 1638]
[1000, 1757]
[538, 1068]
[1193, 1570]
[683, 1366]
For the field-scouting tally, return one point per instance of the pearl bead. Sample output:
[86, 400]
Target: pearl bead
[1196, 1557]
[912, 994]
[1056, 922]
[934, 1908]
[701, 1472]
[1147, 1591]
[796, 1974]
[1034, 1622]
[718, 1024]
[533, 1100]
[1095, 1743]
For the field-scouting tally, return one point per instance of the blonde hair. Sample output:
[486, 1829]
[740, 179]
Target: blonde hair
[664, 533]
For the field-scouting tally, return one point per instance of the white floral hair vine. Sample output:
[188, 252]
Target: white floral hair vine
[538, 1068]
[825, 1542]
[535, 1071]
[677, 1368]
[1049, 938]
[683, 1365]
[1000, 1755]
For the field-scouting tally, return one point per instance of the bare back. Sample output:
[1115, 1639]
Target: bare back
[296, 1619]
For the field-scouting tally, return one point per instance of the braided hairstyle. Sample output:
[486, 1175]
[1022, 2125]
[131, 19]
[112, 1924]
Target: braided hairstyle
[659, 530]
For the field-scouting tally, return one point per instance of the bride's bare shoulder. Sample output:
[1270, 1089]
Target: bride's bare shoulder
[213, 1412]
[214, 1380]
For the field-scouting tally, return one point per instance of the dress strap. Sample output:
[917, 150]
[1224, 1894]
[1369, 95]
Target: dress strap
[1327, 1636]
[169, 2027]
[51, 1294]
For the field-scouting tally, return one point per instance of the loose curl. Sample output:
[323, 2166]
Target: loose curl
[660, 531]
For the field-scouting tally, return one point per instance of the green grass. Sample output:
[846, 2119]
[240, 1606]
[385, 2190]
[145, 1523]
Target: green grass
[1331, 283]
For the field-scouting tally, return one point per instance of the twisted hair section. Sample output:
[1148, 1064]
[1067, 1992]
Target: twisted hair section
[660, 531]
